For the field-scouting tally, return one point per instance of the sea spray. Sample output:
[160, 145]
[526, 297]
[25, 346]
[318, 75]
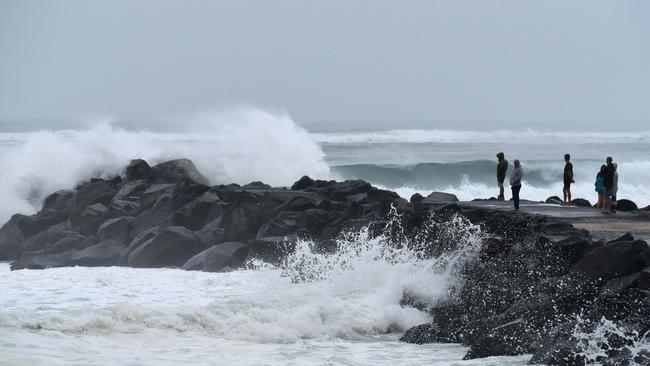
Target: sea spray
[237, 147]
[606, 342]
[429, 259]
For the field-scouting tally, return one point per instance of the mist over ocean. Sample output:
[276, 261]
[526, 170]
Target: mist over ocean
[244, 145]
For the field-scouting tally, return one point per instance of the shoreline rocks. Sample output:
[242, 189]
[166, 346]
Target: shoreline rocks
[532, 284]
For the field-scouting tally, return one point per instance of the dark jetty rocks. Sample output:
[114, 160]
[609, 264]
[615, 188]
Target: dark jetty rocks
[537, 286]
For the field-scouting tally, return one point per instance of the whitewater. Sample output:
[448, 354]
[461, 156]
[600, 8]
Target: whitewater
[314, 309]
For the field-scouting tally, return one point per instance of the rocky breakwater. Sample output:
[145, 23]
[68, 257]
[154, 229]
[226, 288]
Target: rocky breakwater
[168, 216]
[535, 286]
[545, 288]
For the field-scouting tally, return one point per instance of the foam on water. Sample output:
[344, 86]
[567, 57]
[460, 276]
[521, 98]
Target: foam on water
[239, 147]
[339, 308]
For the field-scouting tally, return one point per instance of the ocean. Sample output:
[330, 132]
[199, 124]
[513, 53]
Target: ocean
[348, 311]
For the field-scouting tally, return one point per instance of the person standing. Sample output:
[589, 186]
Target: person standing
[502, 168]
[615, 186]
[515, 182]
[608, 182]
[568, 178]
[600, 188]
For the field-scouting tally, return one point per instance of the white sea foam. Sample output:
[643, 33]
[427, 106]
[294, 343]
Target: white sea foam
[349, 314]
[238, 147]
[468, 136]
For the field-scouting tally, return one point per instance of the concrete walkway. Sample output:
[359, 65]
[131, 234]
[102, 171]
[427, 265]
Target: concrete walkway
[601, 226]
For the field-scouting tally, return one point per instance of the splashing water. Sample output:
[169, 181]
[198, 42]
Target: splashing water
[408, 259]
[598, 341]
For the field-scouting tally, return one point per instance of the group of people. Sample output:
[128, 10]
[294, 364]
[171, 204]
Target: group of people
[606, 182]
[515, 178]
[607, 185]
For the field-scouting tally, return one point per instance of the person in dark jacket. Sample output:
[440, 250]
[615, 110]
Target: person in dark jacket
[568, 178]
[502, 168]
[608, 182]
[515, 183]
[600, 188]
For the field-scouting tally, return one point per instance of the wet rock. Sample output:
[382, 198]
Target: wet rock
[270, 250]
[511, 339]
[131, 191]
[172, 247]
[416, 198]
[626, 205]
[256, 186]
[177, 170]
[212, 233]
[90, 219]
[139, 169]
[106, 253]
[216, 258]
[99, 192]
[554, 200]
[34, 224]
[118, 229]
[302, 183]
[195, 214]
[421, 334]
[581, 202]
[41, 261]
[10, 239]
[440, 197]
[139, 239]
[59, 201]
[340, 191]
[613, 260]
[119, 208]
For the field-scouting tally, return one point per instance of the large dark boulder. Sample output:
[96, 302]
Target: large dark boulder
[511, 339]
[118, 229]
[554, 200]
[42, 260]
[257, 185]
[177, 170]
[139, 169]
[98, 192]
[34, 224]
[581, 202]
[10, 239]
[140, 238]
[440, 197]
[131, 191]
[241, 221]
[270, 250]
[119, 208]
[302, 183]
[416, 197]
[212, 233]
[90, 219]
[216, 258]
[421, 334]
[626, 205]
[187, 191]
[340, 191]
[613, 260]
[194, 215]
[106, 253]
[45, 238]
[60, 201]
[171, 248]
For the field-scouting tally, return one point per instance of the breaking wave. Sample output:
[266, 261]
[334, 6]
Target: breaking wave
[239, 147]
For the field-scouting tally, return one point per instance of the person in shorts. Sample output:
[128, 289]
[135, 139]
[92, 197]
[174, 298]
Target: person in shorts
[568, 178]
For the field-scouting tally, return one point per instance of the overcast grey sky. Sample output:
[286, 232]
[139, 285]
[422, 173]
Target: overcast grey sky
[328, 60]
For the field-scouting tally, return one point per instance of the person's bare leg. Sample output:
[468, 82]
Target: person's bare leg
[568, 193]
[501, 192]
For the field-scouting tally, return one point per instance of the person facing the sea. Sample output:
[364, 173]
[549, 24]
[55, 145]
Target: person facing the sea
[608, 182]
[568, 178]
[615, 186]
[502, 168]
[515, 182]
[600, 187]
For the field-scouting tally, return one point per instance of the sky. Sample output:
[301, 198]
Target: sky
[335, 60]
